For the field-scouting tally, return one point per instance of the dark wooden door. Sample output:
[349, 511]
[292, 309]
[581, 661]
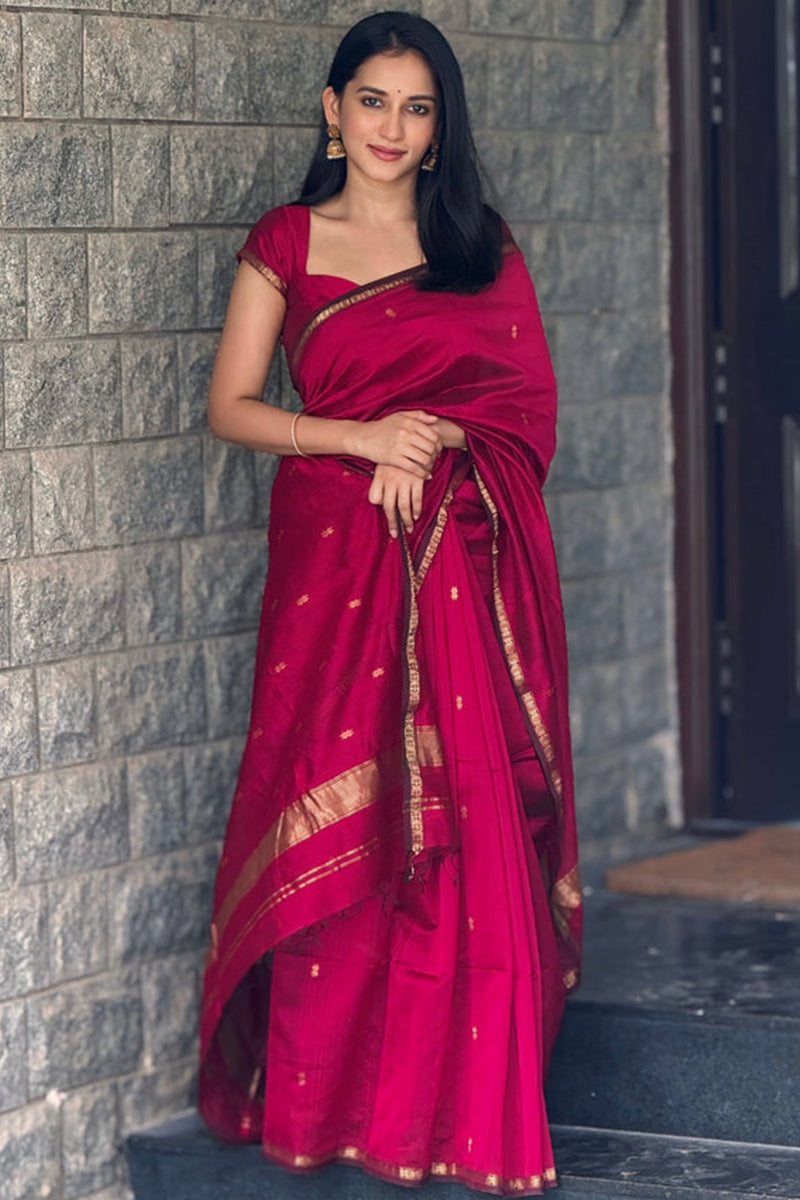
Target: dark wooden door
[754, 385]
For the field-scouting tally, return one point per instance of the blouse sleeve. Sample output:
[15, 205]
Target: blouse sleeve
[268, 248]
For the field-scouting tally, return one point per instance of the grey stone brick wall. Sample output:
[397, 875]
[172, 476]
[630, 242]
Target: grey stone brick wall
[139, 139]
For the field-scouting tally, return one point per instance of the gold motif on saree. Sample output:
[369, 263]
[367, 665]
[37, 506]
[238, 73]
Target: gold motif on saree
[377, 672]
[302, 599]
[354, 603]
[453, 593]
[346, 733]
[327, 532]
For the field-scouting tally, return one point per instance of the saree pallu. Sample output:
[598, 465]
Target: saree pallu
[397, 914]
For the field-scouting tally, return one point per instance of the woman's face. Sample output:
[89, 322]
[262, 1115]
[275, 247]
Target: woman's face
[389, 105]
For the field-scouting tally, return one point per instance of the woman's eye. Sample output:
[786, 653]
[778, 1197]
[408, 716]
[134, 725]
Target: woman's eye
[421, 109]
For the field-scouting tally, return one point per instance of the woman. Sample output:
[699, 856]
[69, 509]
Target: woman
[397, 909]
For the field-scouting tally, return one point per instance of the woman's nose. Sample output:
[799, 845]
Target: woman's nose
[392, 124]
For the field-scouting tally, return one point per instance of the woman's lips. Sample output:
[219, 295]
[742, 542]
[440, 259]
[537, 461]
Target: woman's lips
[386, 155]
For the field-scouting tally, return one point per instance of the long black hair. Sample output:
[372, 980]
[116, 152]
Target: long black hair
[459, 232]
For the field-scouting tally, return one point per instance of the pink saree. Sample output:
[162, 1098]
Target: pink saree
[397, 914]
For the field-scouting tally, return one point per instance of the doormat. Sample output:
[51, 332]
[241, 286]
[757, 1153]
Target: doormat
[761, 866]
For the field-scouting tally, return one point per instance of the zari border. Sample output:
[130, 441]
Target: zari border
[264, 270]
[318, 808]
[512, 655]
[393, 1172]
[413, 802]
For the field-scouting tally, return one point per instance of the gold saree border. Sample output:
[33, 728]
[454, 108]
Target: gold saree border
[413, 803]
[486, 1181]
[318, 808]
[264, 270]
[521, 685]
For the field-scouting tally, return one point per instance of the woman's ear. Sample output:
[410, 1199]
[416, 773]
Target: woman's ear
[330, 105]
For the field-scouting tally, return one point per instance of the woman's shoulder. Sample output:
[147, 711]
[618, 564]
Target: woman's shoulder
[272, 243]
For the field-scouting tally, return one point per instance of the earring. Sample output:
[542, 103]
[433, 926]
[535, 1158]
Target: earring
[335, 147]
[429, 161]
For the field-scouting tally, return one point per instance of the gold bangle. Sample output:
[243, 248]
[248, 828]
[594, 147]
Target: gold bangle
[294, 439]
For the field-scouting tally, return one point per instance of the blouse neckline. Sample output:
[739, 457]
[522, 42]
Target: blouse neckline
[342, 278]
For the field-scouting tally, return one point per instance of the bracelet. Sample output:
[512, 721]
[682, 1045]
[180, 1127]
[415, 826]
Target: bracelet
[294, 439]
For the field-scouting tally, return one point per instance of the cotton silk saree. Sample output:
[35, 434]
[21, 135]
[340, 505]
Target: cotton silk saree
[397, 914]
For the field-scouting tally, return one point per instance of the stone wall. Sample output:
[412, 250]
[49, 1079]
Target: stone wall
[139, 139]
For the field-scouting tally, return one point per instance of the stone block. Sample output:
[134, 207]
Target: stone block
[605, 355]
[644, 694]
[140, 158]
[142, 281]
[590, 447]
[596, 707]
[211, 771]
[62, 392]
[70, 820]
[640, 273]
[520, 165]
[141, 7]
[151, 698]
[18, 750]
[6, 838]
[156, 790]
[574, 19]
[223, 582]
[509, 84]
[583, 268]
[525, 17]
[621, 20]
[63, 504]
[171, 998]
[90, 1152]
[635, 79]
[229, 683]
[572, 87]
[644, 442]
[222, 90]
[15, 504]
[262, 9]
[583, 534]
[78, 909]
[156, 1095]
[220, 175]
[473, 57]
[628, 179]
[66, 605]
[229, 485]
[152, 593]
[10, 65]
[162, 906]
[23, 947]
[54, 174]
[216, 267]
[302, 10]
[57, 285]
[447, 14]
[593, 610]
[29, 1152]
[637, 517]
[67, 712]
[84, 1032]
[135, 67]
[302, 55]
[148, 490]
[293, 152]
[13, 1056]
[149, 386]
[645, 607]
[12, 282]
[601, 785]
[51, 45]
[196, 353]
[573, 176]
[649, 788]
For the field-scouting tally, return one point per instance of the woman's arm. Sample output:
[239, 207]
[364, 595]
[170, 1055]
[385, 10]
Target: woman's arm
[237, 413]
[452, 435]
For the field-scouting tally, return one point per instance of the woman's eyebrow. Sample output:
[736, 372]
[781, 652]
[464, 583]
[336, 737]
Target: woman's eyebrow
[379, 91]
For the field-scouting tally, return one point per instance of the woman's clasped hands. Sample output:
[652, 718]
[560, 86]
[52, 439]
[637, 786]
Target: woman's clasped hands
[405, 446]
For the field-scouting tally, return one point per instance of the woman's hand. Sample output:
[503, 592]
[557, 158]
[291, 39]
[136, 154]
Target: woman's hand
[393, 488]
[408, 440]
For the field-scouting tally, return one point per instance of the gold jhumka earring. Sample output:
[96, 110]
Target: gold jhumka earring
[335, 147]
[429, 161]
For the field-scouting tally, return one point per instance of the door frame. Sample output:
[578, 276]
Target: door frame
[691, 406]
